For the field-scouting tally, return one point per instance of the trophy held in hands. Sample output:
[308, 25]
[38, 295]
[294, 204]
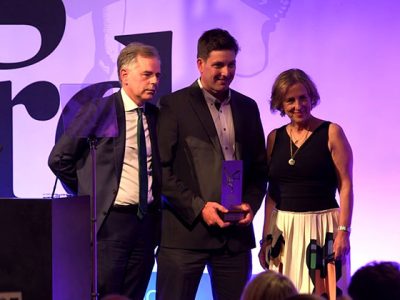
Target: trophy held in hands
[231, 190]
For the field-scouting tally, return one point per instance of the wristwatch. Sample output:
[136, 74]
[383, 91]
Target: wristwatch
[344, 228]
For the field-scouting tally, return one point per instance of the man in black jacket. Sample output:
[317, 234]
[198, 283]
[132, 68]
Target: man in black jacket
[200, 126]
[128, 228]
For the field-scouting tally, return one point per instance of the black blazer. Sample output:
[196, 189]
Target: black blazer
[191, 159]
[70, 158]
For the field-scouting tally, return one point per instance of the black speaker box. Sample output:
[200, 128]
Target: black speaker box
[45, 248]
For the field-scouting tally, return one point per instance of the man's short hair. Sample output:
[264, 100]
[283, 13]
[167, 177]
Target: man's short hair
[130, 53]
[215, 39]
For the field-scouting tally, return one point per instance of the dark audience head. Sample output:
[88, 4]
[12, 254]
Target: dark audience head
[376, 280]
[269, 285]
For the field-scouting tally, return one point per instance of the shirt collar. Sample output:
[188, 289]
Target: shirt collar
[210, 98]
[129, 104]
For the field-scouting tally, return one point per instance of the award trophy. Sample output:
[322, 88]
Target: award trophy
[231, 190]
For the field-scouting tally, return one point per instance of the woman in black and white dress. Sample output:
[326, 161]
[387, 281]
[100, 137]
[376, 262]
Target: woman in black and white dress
[306, 232]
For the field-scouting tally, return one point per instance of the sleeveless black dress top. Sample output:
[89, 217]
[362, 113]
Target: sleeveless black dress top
[311, 183]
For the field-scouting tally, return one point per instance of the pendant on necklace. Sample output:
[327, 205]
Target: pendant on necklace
[291, 161]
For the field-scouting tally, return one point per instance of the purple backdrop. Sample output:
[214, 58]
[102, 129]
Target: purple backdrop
[350, 48]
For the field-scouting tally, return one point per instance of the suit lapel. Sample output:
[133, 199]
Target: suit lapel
[238, 121]
[119, 141]
[203, 113]
[152, 123]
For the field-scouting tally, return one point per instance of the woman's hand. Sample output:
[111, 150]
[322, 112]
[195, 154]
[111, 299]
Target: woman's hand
[262, 256]
[341, 245]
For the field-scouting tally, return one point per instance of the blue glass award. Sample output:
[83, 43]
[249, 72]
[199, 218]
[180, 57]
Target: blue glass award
[231, 190]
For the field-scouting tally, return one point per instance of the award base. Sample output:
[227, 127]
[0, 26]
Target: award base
[233, 215]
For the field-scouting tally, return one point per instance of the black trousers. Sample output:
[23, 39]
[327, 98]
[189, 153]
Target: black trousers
[179, 272]
[126, 252]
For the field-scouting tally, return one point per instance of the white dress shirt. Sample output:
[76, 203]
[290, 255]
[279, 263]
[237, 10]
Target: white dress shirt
[128, 192]
[223, 122]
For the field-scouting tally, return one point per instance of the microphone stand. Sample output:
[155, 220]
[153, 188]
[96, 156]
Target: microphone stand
[93, 237]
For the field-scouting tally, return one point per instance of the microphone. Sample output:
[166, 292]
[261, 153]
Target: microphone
[55, 182]
[54, 188]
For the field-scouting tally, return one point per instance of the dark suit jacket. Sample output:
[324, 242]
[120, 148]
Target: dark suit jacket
[191, 159]
[70, 158]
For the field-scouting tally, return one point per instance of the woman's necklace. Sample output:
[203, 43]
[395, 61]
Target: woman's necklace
[292, 161]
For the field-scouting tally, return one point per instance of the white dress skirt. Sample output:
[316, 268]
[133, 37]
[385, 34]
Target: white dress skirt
[302, 249]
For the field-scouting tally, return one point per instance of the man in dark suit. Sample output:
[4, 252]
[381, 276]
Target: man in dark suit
[199, 127]
[128, 228]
